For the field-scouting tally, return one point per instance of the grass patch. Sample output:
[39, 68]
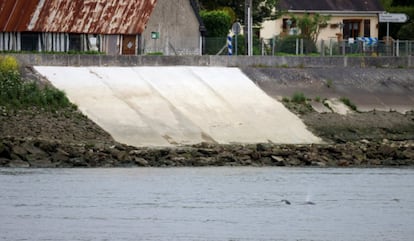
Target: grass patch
[329, 83]
[18, 94]
[348, 103]
[155, 54]
[299, 98]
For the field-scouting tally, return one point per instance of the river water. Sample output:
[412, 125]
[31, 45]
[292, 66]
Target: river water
[207, 204]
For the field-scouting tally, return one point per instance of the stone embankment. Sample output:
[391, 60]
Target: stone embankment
[47, 154]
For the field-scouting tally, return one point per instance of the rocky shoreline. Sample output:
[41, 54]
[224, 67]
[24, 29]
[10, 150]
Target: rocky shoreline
[65, 139]
[50, 154]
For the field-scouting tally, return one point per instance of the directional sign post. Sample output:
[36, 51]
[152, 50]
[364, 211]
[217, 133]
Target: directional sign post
[392, 18]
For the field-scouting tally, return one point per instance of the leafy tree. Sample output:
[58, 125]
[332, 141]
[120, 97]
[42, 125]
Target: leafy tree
[402, 3]
[406, 32]
[310, 25]
[217, 22]
[262, 9]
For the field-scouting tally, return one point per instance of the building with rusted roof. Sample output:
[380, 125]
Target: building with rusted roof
[110, 26]
[349, 19]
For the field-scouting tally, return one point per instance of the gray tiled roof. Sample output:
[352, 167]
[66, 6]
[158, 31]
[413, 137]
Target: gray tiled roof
[331, 5]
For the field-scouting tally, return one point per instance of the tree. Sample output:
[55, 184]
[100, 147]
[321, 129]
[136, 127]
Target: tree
[310, 25]
[406, 32]
[262, 9]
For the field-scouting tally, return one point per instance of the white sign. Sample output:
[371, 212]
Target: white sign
[393, 18]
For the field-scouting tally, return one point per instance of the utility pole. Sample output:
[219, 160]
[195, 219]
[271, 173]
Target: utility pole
[248, 16]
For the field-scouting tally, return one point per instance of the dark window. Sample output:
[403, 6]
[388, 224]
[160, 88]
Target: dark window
[75, 43]
[352, 28]
[29, 41]
[367, 28]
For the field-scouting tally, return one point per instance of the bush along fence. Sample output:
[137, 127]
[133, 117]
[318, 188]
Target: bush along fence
[292, 45]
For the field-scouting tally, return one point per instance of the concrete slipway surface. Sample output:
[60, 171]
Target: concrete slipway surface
[164, 106]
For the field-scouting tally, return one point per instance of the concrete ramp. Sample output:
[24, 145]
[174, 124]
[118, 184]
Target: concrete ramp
[163, 106]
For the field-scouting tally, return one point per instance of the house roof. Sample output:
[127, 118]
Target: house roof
[76, 16]
[331, 5]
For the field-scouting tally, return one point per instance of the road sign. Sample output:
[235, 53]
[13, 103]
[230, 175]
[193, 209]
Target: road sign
[236, 28]
[393, 18]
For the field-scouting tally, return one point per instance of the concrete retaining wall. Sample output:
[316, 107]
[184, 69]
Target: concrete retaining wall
[229, 61]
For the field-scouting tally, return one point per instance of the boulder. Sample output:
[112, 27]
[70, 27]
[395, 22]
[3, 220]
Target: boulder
[18, 164]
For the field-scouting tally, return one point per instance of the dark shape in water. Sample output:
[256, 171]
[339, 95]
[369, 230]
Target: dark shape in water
[309, 203]
[285, 201]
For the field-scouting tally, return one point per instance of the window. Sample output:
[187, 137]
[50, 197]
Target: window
[75, 43]
[367, 28]
[29, 41]
[352, 28]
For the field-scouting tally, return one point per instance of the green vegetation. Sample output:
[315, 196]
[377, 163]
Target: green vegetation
[299, 98]
[262, 9]
[155, 54]
[18, 94]
[217, 22]
[329, 83]
[310, 25]
[298, 103]
[400, 31]
[348, 103]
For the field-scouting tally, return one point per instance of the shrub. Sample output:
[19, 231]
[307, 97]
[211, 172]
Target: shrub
[348, 103]
[16, 93]
[299, 98]
[217, 22]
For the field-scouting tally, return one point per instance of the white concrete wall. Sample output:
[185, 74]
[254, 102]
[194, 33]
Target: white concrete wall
[162, 106]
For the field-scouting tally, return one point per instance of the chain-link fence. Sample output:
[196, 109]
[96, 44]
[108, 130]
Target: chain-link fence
[292, 45]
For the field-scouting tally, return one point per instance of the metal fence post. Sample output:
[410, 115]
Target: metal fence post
[297, 46]
[397, 51]
[301, 46]
[330, 47]
[406, 48]
[343, 47]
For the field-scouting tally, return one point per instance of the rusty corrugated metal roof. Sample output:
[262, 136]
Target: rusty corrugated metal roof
[76, 16]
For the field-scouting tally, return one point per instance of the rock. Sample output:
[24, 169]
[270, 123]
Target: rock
[60, 155]
[18, 164]
[4, 161]
[141, 161]
[19, 150]
[278, 161]
[4, 151]
[41, 163]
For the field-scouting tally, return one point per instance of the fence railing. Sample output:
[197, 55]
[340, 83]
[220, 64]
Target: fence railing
[298, 46]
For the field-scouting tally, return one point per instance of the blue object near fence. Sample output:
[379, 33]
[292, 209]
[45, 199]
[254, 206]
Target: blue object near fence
[230, 45]
[368, 40]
